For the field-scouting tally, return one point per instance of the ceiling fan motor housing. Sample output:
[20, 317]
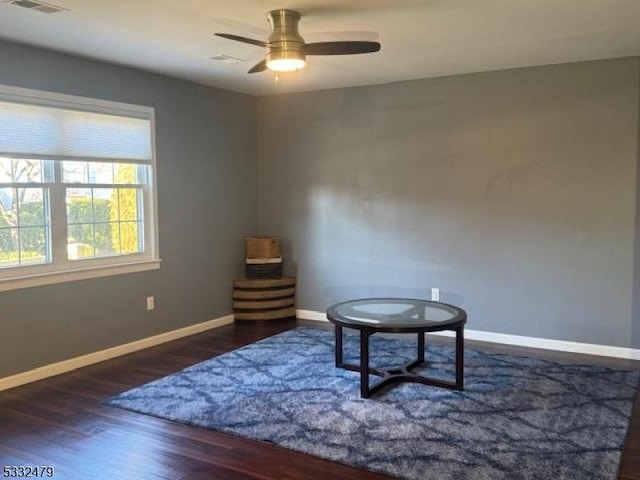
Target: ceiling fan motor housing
[285, 41]
[286, 50]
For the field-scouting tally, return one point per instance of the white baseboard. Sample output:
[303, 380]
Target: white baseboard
[531, 342]
[65, 366]
[311, 315]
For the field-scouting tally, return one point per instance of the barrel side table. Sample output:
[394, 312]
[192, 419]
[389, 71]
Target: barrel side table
[264, 299]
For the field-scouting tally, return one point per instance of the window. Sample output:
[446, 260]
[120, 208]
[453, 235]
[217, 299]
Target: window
[77, 197]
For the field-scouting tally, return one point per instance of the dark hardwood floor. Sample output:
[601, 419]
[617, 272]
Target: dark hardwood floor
[60, 422]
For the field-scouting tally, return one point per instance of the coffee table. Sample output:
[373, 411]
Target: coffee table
[397, 315]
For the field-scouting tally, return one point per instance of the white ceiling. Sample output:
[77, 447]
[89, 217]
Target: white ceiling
[420, 38]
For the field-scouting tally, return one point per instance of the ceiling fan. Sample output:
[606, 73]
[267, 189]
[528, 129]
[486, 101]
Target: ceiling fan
[286, 50]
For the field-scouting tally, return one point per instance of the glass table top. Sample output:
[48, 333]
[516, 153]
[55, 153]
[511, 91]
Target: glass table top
[385, 313]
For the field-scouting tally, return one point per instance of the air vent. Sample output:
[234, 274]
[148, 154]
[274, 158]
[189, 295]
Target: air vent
[38, 6]
[226, 59]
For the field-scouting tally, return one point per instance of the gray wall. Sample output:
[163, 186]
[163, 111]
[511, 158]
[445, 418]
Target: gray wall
[514, 192]
[206, 171]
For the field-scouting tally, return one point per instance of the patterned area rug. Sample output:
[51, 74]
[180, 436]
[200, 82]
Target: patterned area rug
[518, 418]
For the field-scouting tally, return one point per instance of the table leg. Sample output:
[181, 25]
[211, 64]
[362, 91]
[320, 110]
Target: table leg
[402, 373]
[421, 347]
[338, 346]
[364, 364]
[460, 358]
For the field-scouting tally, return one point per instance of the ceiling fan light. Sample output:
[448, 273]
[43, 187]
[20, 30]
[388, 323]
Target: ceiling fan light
[285, 51]
[286, 64]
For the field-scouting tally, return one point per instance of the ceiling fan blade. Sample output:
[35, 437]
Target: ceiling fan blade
[260, 67]
[338, 36]
[341, 48]
[238, 38]
[250, 30]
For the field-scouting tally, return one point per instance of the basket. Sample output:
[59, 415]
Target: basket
[263, 268]
[262, 247]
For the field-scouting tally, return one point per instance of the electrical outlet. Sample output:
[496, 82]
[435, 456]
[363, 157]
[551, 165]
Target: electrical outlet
[435, 294]
[151, 304]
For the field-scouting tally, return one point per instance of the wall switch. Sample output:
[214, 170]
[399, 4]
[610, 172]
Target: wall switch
[151, 304]
[435, 294]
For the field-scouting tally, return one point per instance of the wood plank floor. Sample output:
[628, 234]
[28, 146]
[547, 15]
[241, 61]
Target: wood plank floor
[60, 422]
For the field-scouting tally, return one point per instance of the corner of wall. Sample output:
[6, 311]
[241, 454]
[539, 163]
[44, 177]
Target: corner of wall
[635, 309]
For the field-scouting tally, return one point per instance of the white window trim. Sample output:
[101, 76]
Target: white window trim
[48, 274]
[86, 273]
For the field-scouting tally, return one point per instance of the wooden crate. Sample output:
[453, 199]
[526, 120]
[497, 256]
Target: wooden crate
[257, 300]
[262, 247]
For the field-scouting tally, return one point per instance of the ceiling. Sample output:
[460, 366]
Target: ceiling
[420, 38]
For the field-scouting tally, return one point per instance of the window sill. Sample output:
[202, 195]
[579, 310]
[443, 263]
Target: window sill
[87, 273]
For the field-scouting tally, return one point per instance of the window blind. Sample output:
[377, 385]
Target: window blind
[43, 131]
